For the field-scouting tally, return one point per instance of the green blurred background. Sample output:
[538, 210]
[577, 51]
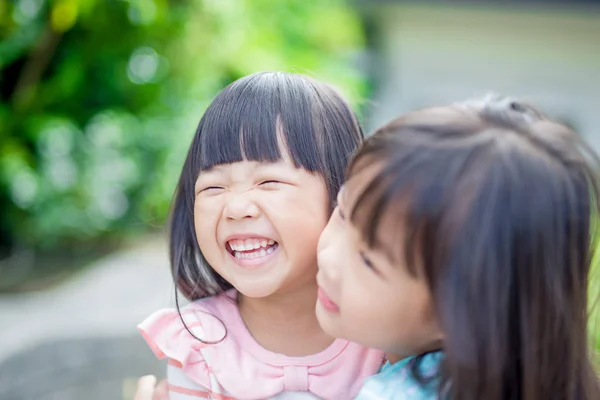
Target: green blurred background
[100, 98]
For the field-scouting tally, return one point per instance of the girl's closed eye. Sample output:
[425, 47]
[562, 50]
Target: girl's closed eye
[368, 262]
[210, 190]
[270, 184]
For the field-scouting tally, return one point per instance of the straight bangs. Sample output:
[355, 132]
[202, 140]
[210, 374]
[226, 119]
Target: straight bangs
[412, 195]
[240, 124]
[259, 117]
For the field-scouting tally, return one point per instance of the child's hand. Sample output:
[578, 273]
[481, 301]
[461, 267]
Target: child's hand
[148, 390]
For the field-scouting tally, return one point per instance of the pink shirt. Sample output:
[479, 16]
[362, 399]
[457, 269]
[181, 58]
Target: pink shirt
[237, 367]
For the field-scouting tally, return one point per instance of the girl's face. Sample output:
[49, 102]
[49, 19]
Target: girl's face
[258, 224]
[367, 295]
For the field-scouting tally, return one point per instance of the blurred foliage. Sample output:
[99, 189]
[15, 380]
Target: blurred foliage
[99, 100]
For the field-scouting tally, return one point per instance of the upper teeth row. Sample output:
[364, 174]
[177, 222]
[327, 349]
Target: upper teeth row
[249, 244]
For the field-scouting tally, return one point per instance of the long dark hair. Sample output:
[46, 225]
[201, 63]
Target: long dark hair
[321, 133]
[497, 202]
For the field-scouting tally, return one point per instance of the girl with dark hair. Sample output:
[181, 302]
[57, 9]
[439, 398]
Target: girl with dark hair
[256, 190]
[461, 246]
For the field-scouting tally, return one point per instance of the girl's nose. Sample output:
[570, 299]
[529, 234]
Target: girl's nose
[239, 206]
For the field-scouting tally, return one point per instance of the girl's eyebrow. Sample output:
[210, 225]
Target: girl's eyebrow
[268, 166]
[209, 174]
[273, 164]
[212, 170]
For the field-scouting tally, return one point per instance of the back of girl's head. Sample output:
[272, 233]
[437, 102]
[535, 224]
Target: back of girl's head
[497, 204]
[248, 120]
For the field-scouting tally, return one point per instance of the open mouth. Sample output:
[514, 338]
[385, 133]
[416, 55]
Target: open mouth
[251, 248]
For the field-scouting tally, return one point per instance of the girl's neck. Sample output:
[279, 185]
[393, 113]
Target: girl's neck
[430, 348]
[285, 323]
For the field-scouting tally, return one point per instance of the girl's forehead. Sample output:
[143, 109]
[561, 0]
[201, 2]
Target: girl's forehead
[249, 165]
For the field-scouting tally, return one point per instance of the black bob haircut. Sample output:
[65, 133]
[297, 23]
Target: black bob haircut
[244, 122]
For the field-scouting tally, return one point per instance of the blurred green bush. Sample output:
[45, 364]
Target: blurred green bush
[100, 98]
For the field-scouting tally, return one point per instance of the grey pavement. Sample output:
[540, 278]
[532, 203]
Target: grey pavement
[79, 340]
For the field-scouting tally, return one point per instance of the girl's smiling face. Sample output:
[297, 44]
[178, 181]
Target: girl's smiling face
[367, 294]
[257, 224]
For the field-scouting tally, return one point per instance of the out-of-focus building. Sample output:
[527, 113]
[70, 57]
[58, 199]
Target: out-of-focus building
[429, 52]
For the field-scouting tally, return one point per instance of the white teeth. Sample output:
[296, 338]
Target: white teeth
[249, 255]
[250, 244]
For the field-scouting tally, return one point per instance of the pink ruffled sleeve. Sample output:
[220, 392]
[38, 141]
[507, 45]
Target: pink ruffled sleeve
[168, 338]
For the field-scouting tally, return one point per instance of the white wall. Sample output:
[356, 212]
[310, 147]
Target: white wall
[436, 55]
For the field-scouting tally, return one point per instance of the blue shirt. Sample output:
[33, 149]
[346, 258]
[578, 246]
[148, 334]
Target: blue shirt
[396, 381]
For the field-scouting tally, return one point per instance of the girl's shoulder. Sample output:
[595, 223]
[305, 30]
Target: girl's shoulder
[396, 381]
[190, 338]
[171, 330]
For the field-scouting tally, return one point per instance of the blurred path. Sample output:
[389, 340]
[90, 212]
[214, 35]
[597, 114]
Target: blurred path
[84, 319]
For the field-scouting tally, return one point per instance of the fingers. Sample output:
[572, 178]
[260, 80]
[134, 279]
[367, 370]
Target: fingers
[162, 391]
[145, 388]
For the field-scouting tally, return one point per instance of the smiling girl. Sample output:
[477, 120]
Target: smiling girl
[256, 190]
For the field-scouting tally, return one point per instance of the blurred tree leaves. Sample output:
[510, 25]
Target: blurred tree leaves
[99, 99]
